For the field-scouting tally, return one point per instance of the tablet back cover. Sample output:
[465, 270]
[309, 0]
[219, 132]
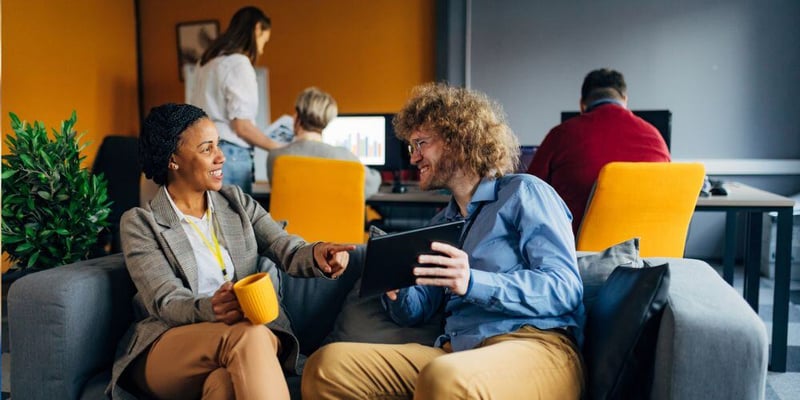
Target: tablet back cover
[391, 258]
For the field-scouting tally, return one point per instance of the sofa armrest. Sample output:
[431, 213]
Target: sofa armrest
[64, 325]
[711, 344]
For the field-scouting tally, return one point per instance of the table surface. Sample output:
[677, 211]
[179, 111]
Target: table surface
[739, 195]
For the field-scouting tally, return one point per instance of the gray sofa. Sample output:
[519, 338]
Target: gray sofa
[65, 323]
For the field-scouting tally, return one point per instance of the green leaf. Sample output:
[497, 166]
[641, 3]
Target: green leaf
[34, 258]
[26, 160]
[52, 208]
[24, 247]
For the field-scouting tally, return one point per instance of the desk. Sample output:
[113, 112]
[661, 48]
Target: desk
[741, 198]
[754, 203]
[385, 197]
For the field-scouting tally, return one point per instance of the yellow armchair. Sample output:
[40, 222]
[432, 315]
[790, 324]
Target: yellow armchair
[650, 200]
[321, 199]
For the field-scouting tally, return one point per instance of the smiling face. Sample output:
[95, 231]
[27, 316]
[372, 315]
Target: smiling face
[436, 170]
[197, 162]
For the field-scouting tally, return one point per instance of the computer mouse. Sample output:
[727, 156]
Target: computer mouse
[718, 191]
[399, 189]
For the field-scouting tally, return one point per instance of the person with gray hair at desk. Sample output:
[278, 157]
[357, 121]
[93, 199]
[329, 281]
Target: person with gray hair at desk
[314, 109]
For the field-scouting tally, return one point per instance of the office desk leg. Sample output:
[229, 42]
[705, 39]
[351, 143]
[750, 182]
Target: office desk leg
[729, 254]
[752, 259]
[780, 311]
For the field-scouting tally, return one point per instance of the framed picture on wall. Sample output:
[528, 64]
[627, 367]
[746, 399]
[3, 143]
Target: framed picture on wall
[193, 39]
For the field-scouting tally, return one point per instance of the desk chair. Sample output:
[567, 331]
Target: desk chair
[118, 160]
[321, 199]
[650, 200]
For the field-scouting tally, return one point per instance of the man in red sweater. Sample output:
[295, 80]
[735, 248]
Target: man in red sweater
[572, 154]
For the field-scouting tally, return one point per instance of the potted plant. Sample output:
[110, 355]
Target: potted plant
[53, 210]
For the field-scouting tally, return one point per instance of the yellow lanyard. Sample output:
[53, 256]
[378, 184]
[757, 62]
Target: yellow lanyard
[215, 249]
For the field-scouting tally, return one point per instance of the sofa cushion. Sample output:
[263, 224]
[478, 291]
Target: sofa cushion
[365, 320]
[622, 330]
[596, 267]
[313, 303]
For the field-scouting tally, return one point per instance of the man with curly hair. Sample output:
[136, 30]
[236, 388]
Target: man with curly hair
[511, 294]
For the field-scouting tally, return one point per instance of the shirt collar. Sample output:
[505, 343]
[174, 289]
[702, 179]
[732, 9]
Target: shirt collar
[485, 192]
[600, 102]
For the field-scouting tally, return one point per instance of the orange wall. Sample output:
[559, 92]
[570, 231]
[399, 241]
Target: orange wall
[367, 54]
[63, 55]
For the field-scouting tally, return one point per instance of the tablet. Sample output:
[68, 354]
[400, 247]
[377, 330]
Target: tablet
[391, 258]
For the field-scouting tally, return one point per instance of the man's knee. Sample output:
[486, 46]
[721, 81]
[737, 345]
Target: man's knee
[441, 378]
[320, 371]
[322, 363]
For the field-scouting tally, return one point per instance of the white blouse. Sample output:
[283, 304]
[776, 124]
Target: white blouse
[226, 89]
[209, 273]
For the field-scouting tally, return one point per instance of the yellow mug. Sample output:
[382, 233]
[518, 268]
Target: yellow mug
[257, 297]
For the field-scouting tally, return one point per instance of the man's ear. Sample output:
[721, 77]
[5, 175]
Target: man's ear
[582, 106]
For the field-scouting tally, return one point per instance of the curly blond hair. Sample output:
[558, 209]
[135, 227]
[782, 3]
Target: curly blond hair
[473, 127]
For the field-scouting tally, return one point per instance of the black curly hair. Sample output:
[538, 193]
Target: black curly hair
[161, 132]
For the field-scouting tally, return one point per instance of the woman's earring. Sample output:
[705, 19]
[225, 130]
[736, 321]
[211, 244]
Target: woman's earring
[173, 165]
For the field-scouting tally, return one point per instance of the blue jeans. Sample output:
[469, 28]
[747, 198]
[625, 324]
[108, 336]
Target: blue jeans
[238, 167]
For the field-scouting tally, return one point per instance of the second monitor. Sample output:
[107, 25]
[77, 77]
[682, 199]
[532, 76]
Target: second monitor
[660, 119]
[370, 137]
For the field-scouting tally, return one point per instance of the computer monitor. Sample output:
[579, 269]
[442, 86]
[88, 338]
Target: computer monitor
[526, 153]
[370, 137]
[661, 119]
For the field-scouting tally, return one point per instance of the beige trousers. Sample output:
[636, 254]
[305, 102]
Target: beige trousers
[212, 360]
[525, 364]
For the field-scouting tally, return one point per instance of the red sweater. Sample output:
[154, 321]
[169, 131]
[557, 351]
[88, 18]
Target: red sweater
[572, 154]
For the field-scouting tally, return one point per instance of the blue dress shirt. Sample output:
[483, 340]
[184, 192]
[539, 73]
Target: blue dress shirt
[522, 262]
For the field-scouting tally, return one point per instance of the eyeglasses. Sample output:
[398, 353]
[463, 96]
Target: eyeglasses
[417, 145]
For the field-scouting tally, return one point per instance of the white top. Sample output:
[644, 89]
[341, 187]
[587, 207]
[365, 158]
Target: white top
[209, 274]
[226, 89]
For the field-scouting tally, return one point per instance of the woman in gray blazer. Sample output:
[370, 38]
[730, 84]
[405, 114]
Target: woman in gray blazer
[183, 250]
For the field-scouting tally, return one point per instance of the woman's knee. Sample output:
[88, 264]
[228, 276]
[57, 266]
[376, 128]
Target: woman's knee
[218, 385]
[252, 336]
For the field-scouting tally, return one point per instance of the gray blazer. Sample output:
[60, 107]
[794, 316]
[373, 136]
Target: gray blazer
[162, 265]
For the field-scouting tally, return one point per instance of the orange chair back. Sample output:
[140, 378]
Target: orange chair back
[321, 199]
[650, 200]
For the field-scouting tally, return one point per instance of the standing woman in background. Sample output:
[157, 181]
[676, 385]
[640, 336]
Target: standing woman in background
[226, 89]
